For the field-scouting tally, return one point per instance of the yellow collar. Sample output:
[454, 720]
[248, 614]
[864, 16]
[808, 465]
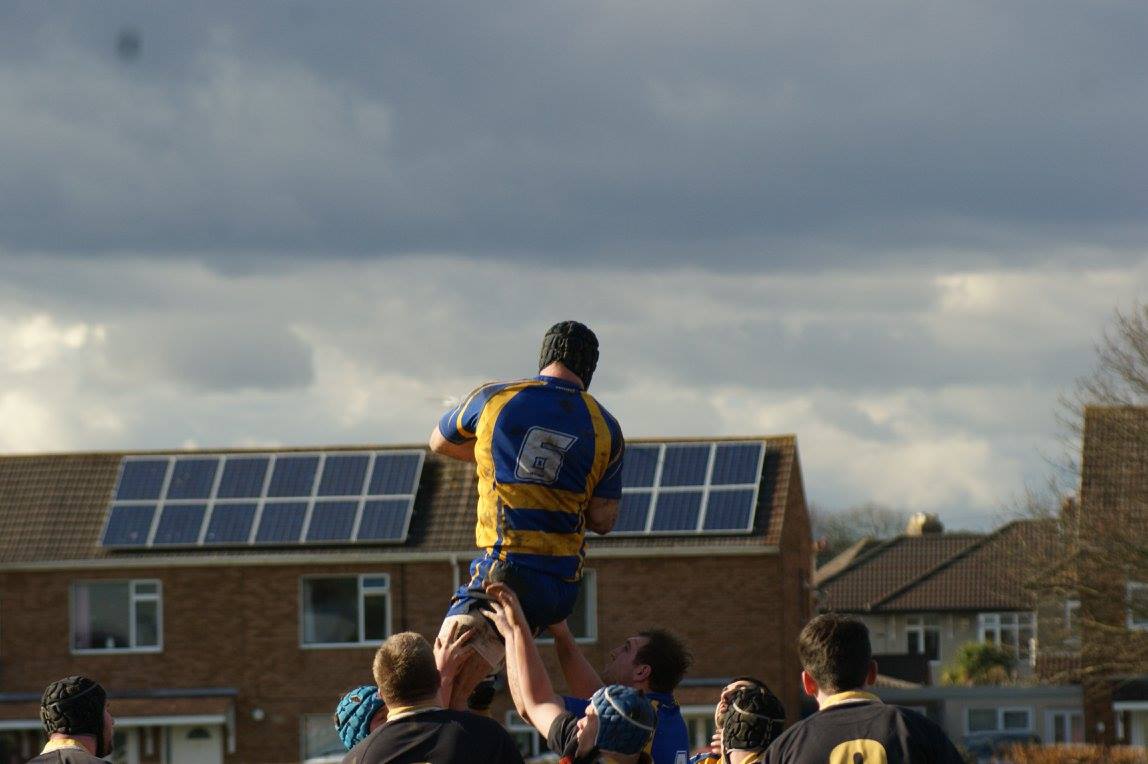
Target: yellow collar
[848, 695]
[64, 742]
[404, 711]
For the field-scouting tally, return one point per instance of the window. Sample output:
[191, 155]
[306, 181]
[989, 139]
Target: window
[119, 616]
[346, 610]
[998, 720]
[583, 621]
[321, 743]
[1012, 631]
[1065, 727]
[924, 636]
[1072, 623]
[528, 740]
[1137, 605]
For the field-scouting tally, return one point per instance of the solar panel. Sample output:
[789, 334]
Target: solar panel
[395, 474]
[632, 514]
[128, 525]
[677, 511]
[281, 523]
[332, 521]
[141, 479]
[180, 524]
[344, 475]
[192, 478]
[690, 487]
[729, 509]
[294, 498]
[293, 476]
[243, 477]
[384, 520]
[230, 524]
[640, 465]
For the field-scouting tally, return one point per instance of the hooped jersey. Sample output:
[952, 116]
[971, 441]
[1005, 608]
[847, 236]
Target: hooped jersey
[544, 448]
[855, 727]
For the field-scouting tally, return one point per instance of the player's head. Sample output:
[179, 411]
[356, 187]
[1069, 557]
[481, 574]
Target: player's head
[723, 700]
[77, 705]
[835, 652]
[574, 345]
[618, 720]
[405, 670]
[754, 718]
[359, 712]
[653, 659]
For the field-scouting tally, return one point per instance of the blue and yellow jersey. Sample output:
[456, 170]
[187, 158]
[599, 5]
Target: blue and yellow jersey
[544, 448]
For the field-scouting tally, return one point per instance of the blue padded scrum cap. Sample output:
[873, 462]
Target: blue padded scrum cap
[354, 714]
[626, 719]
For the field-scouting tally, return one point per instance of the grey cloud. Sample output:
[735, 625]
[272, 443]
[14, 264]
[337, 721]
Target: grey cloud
[790, 135]
[208, 355]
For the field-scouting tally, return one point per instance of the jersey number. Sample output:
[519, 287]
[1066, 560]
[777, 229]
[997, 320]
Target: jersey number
[859, 752]
[542, 453]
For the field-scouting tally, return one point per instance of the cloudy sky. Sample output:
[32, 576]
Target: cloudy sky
[894, 228]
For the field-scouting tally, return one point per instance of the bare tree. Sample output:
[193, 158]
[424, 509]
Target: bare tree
[837, 531]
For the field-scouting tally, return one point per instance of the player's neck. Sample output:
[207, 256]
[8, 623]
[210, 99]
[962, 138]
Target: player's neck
[558, 370]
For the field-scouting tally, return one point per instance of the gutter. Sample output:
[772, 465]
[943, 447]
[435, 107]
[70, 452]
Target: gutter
[371, 558]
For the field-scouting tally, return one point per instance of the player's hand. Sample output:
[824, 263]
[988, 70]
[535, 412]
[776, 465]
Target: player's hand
[450, 654]
[497, 616]
[715, 743]
[505, 596]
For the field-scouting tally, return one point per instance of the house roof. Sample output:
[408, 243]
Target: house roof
[936, 572]
[53, 508]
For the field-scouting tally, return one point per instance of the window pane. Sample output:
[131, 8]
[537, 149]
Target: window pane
[932, 644]
[1015, 720]
[146, 587]
[982, 719]
[579, 619]
[914, 643]
[147, 623]
[102, 618]
[320, 738]
[375, 618]
[330, 610]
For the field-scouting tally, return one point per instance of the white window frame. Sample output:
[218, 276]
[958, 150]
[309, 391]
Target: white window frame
[1067, 714]
[134, 598]
[516, 725]
[995, 622]
[915, 624]
[1133, 623]
[1001, 711]
[363, 592]
[590, 590]
[1071, 613]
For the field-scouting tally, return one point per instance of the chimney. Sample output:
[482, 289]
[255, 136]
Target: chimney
[923, 523]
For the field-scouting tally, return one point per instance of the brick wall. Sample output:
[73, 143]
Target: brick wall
[239, 627]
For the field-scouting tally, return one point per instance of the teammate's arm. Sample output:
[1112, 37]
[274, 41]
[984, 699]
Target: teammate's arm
[536, 700]
[464, 451]
[581, 677]
[602, 514]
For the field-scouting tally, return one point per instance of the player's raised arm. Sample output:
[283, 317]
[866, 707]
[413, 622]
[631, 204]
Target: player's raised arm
[580, 676]
[464, 451]
[531, 688]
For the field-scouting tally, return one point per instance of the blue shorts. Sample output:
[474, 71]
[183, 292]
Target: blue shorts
[545, 599]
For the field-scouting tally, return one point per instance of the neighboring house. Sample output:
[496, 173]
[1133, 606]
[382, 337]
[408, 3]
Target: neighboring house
[1108, 549]
[924, 596]
[227, 599]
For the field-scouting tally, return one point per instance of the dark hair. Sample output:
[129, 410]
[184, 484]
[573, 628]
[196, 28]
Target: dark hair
[834, 649]
[405, 669]
[667, 657]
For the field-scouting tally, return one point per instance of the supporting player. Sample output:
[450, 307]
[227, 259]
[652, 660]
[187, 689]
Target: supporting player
[549, 465]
